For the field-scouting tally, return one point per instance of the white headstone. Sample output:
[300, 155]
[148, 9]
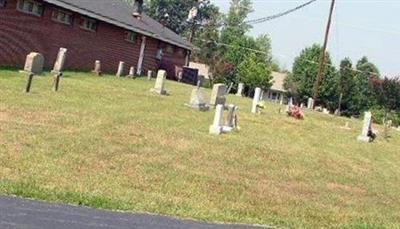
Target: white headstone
[240, 89]
[97, 67]
[216, 127]
[290, 103]
[121, 67]
[149, 74]
[160, 83]
[256, 100]
[132, 72]
[218, 94]
[34, 63]
[366, 128]
[231, 119]
[310, 103]
[60, 61]
[197, 100]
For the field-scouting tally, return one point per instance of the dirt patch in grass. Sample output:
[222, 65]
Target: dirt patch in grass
[346, 188]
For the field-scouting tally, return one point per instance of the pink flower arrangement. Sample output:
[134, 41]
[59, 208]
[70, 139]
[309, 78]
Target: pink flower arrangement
[295, 112]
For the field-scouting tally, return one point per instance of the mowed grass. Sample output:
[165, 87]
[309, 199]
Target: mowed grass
[109, 143]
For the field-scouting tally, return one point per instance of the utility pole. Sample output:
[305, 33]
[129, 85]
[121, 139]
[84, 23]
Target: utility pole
[323, 55]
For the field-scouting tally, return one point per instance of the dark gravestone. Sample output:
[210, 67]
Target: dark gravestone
[190, 75]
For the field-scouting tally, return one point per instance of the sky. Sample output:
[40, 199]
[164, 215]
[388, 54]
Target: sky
[360, 28]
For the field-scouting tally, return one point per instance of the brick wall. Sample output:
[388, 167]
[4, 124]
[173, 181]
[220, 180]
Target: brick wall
[21, 34]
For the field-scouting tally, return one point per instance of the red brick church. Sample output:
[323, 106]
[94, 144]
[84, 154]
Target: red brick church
[105, 30]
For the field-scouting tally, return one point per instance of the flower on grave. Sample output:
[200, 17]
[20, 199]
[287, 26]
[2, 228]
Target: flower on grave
[295, 112]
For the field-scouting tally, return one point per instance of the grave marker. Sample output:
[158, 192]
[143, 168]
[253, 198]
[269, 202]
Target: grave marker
[256, 100]
[160, 83]
[218, 95]
[231, 121]
[97, 68]
[34, 63]
[149, 74]
[364, 137]
[121, 67]
[216, 127]
[240, 89]
[131, 72]
[310, 103]
[197, 100]
[60, 61]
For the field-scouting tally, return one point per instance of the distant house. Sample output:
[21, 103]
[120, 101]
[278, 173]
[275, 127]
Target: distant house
[204, 70]
[277, 92]
[104, 30]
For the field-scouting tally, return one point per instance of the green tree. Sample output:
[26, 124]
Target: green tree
[348, 89]
[254, 73]
[303, 77]
[367, 71]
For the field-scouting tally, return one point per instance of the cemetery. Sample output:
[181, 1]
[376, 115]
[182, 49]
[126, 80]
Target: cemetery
[117, 142]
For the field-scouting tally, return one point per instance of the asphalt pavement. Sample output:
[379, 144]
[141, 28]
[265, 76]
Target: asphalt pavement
[17, 213]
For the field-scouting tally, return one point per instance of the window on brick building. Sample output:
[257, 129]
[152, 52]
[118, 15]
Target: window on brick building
[170, 49]
[62, 16]
[2, 3]
[88, 24]
[30, 7]
[130, 36]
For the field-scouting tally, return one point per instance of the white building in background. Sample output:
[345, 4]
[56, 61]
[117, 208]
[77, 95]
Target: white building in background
[204, 70]
[277, 92]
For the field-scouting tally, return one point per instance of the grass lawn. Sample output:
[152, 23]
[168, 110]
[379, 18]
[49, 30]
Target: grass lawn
[109, 143]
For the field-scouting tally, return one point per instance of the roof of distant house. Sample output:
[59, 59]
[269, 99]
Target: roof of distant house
[278, 81]
[119, 13]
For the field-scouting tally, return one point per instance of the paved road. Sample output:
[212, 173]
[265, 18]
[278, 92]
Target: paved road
[18, 213]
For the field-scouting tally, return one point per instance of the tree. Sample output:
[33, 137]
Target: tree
[254, 73]
[304, 73]
[367, 71]
[348, 89]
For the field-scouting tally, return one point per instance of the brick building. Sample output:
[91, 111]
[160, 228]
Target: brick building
[104, 30]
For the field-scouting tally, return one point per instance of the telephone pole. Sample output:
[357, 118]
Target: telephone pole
[323, 55]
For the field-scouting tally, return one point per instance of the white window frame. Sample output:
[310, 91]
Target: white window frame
[84, 21]
[55, 16]
[26, 10]
[130, 36]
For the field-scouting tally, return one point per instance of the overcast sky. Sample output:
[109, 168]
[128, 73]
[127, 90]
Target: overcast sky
[360, 27]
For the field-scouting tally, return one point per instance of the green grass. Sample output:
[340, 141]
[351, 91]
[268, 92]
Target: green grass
[109, 143]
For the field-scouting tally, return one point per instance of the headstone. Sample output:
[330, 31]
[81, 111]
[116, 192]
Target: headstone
[231, 121]
[310, 103]
[97, 68]
[121, 67]
[240, 89]
[290, 103]
[302, 105]
[218, 95]
[216, 127]
[366, 128]
[228, 91]
[131, 72]
[180, 75]
[197, 100]
[325, 111]
[60, 61]
[149, 74]
[256, 100]
[160, 82]
[34, 63]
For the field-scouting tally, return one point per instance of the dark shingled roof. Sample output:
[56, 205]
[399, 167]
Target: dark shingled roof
[119, 13]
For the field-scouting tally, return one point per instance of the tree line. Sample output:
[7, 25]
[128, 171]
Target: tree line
[223, 43]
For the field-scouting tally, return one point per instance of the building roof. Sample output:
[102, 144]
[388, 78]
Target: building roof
[118, 13]
[278, 81]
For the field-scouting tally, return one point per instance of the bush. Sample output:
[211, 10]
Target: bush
[379, 114]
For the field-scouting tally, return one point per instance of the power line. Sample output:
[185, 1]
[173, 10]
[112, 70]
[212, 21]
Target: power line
[263, 52]
[272, 17]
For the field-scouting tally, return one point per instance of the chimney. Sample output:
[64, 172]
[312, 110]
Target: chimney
[137, 8]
